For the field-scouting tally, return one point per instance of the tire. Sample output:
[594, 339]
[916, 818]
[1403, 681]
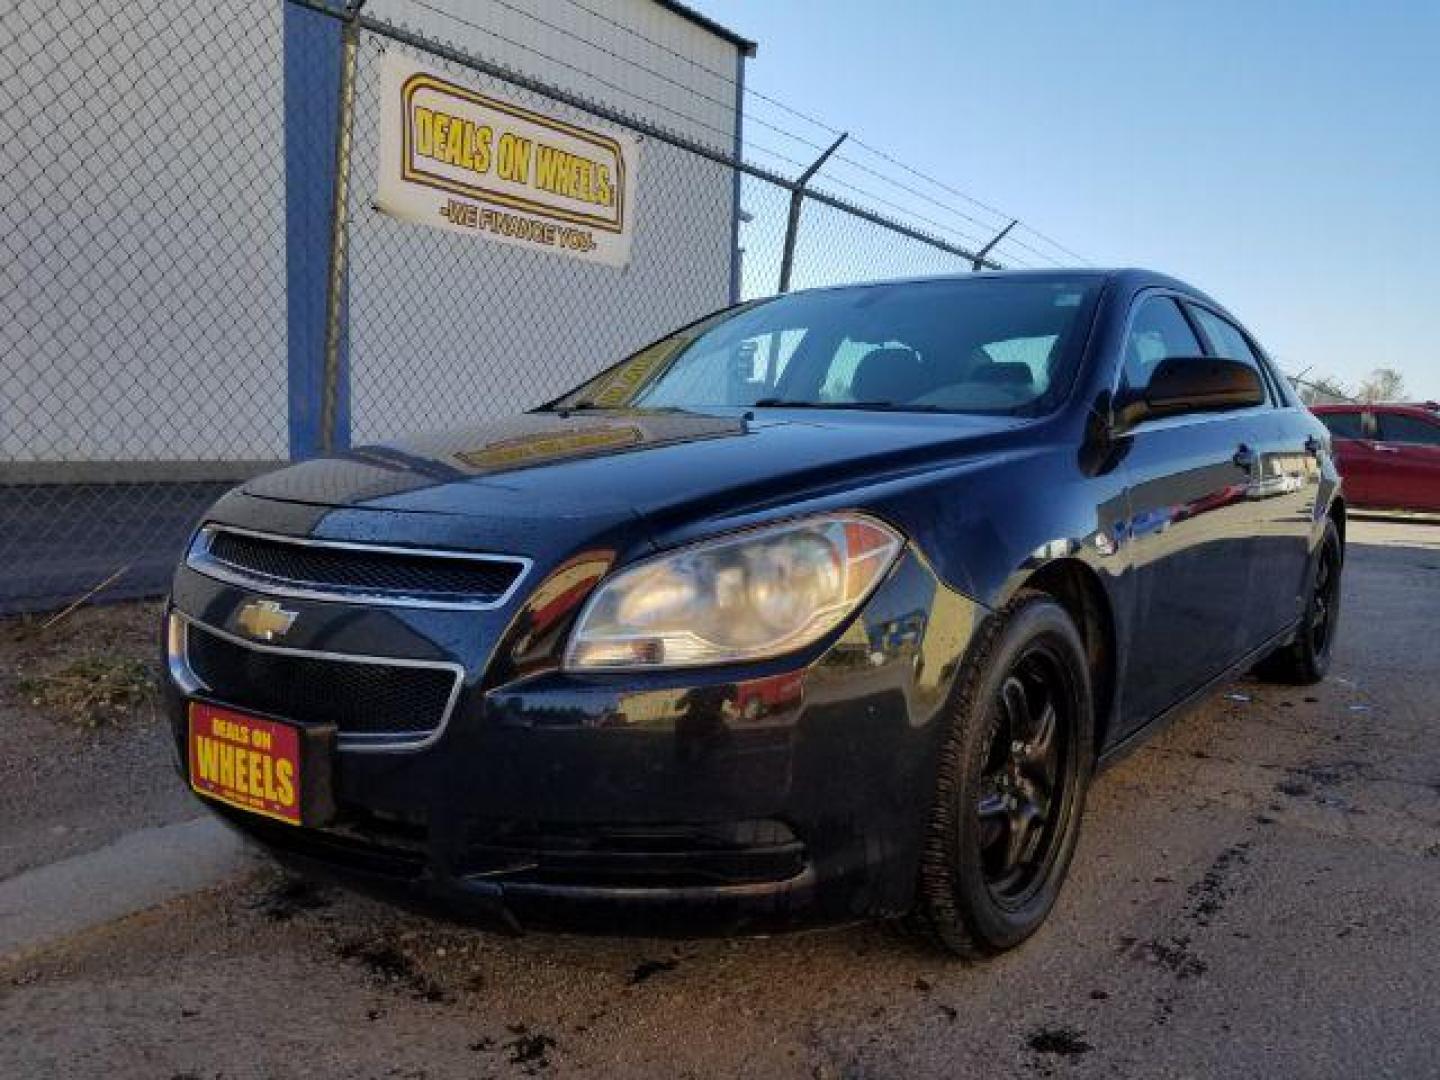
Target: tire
[991, 870]
[1306, 660]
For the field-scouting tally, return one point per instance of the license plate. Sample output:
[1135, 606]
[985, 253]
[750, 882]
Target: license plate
[245, 761]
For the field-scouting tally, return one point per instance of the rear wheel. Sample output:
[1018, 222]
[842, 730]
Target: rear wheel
[1011, 786]
[1307, 659]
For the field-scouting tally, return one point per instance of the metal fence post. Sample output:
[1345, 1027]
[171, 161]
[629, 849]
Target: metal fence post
[797, 196]
[978, 263]
[336, 285]
[737, 215]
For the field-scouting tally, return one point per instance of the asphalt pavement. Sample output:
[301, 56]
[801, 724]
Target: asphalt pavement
[1256, 894]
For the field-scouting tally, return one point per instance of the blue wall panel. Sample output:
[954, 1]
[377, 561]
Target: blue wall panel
[312, 94]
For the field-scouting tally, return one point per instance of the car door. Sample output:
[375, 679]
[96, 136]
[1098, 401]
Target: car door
[1284, 484]
[1408, 454]
[1189, 528]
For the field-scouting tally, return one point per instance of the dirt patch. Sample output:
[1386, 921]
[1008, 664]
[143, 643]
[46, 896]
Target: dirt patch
[45, 644]
[290, 896]
[1332, 774]
[648, 969]
[84, 750]
[1173, 954]
[530, 1049]
[1210, 894]
[389, 964]
[1066, 1042]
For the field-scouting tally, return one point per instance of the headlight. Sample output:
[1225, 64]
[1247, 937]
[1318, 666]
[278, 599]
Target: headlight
[748, 596]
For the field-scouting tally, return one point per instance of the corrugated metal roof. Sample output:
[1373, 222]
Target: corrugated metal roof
[744, 44]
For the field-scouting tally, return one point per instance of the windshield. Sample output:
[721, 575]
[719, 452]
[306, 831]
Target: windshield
[994, 345]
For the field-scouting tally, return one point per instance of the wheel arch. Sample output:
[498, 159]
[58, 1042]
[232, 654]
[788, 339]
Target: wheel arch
[1077, 588]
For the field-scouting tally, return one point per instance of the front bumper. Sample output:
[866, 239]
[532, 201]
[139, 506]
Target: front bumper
[783, 793]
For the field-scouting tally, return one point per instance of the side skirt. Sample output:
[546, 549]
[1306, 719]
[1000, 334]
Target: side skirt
[1128, 745]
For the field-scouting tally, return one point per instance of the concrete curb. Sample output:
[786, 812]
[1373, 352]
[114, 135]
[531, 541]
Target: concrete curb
[140, 870]
[1401, 517]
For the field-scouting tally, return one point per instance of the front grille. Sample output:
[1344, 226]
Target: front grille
[357, 571]
[359, 697]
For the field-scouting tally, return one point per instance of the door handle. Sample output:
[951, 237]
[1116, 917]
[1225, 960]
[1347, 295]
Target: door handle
[1382, 448]
[1244, 457]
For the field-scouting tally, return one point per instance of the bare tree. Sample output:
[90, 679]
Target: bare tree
[1384, 384]
[1322, 389]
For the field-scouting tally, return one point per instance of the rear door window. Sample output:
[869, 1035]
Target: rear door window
[1225, 339]
[1159, 331]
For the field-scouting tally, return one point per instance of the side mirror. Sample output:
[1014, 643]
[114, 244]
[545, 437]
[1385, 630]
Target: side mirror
[1192, 384]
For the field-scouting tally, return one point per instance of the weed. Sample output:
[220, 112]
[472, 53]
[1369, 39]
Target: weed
[94, 691]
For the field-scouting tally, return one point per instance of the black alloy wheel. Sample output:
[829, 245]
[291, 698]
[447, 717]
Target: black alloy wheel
[1325, 601]
[1013, 772]
[1023, 776]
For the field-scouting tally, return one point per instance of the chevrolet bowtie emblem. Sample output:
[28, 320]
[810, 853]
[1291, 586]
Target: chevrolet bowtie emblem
[265, 619]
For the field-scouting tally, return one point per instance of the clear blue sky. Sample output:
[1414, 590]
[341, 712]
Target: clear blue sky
[1284, 156]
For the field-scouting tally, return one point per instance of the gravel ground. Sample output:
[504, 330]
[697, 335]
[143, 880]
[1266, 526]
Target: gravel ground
[1256, 893]
[72, 780]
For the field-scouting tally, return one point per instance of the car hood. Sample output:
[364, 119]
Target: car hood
[657, 465]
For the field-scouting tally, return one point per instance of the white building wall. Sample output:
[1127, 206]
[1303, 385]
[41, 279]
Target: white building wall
[142, 229]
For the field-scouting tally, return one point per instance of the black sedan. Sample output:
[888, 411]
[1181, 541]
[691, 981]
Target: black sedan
[824, 607]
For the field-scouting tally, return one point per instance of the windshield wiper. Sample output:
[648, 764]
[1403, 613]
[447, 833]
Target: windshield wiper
[871, 406]
[590, 406]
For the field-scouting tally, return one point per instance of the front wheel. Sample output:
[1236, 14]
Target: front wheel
[1012, 779]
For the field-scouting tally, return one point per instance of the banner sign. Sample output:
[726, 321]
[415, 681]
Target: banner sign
[457, 159]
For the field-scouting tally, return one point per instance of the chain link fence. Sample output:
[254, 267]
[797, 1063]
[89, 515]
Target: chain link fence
[142, 259]
[158, 207]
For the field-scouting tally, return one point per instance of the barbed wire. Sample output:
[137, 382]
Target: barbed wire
[988, 228]
[630, 30]
[831, 130]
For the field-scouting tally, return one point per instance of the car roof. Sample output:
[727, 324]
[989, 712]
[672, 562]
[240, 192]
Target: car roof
[1128, 278]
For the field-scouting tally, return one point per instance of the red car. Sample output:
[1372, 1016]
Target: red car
[1389, 455]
